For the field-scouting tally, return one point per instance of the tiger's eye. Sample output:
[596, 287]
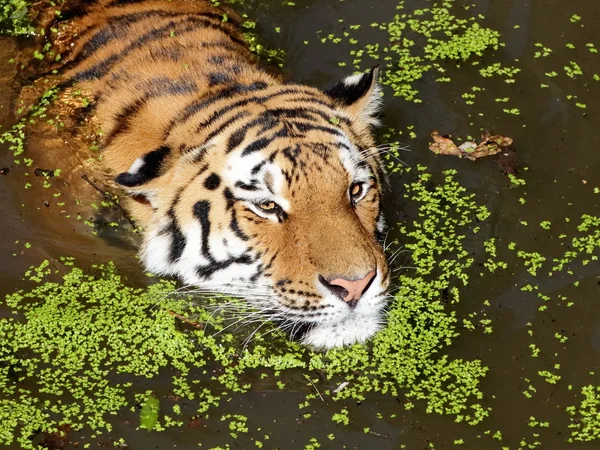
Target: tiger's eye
[267, 206]
[355, 190]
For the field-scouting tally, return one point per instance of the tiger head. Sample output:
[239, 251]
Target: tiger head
[275, 195]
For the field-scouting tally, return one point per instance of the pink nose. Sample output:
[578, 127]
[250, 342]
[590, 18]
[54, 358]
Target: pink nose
[349, 290]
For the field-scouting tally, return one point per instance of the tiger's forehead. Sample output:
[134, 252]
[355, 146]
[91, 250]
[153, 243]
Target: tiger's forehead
[287, 166]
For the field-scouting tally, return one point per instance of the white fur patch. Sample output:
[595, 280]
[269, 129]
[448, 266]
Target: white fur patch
[381, 224]
[355, 329]
[372, 107]
[136, 166]
[155, 252]
[350, 158]
[353, 80]
[238, 169]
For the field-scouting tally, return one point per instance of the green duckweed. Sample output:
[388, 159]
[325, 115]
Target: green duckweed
[421, 41]
[71, 339]
[585, 419]
[13, 17]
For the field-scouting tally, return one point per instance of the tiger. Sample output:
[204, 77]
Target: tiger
[243, 184]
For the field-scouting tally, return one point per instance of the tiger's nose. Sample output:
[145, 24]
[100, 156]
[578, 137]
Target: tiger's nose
[349, 291]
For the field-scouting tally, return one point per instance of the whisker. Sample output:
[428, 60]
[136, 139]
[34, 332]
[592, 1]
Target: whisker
[249, 338]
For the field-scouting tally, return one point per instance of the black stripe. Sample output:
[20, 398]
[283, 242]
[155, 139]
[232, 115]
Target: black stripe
[257, 146]
[311, 98]
[161, 86]
[198, 153]
[224, 125]
[203, 169]
[116, 3]
[200, 104]
[201, 212]
[292, 155]
[216, 59]
[235, 139]
[207, 271]
[263, 142]
[304, 127]
[288, 178]
[178, 240]
[271, 261]
[218, 78]
[190, 24]
[268, 123]
[304, 113]
[123, 119]
[238, 136]
[256, 274]
[167, 53]
[234, 225]
[257, 168]
[246, 187]
[229, 198]
[173, 230]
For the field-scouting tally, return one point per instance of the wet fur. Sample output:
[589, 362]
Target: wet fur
[198, 135]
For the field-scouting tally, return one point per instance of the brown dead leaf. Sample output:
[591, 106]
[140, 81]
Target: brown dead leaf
[489, 145]
[443, 146]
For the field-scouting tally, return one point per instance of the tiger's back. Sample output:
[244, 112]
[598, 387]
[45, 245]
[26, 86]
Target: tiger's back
[137, 58]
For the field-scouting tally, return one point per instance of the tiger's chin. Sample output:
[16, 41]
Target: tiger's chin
[353, 329]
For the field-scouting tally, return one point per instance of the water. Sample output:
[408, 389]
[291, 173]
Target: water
[554, 139]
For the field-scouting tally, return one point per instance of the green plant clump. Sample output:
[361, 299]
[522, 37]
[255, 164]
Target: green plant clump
[585, 421]
[68, 338]
[13, 17]
[419, 42]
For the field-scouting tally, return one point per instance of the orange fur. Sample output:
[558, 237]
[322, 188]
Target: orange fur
[185, 114]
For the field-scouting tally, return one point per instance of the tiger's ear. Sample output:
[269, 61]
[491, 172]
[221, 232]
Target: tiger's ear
[143, 171]
[359, 95]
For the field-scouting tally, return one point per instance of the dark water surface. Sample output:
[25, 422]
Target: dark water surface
[558, 142]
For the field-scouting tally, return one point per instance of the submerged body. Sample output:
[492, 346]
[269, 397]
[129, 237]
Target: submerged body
[243, 184]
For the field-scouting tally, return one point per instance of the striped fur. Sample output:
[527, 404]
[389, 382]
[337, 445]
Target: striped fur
[202, 140]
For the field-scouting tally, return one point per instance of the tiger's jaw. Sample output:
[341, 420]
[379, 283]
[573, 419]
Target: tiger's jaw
[355, 329]
[337, 324]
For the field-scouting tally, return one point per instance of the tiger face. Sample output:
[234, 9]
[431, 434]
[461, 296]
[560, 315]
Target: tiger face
[244, 185]
[283, 209]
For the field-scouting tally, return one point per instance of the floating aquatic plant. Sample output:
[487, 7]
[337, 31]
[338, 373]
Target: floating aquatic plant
[71, 340]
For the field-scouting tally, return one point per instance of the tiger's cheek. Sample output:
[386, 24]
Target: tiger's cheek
[263, 237]
[275, 246]
[369, 211]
